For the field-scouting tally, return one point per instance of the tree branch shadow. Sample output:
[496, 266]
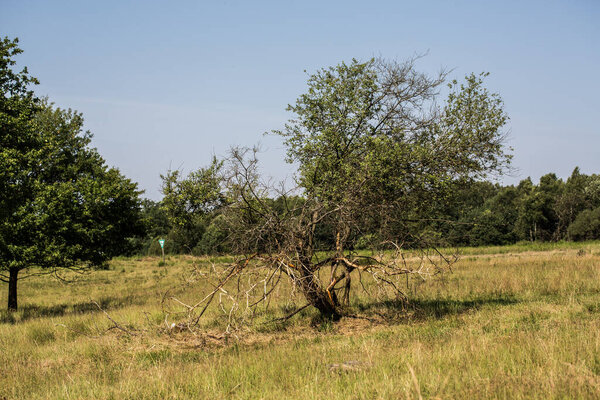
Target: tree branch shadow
[33, 311]
[395, 312]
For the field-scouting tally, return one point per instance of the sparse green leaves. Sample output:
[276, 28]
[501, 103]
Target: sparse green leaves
[369, 135]
[470, 129]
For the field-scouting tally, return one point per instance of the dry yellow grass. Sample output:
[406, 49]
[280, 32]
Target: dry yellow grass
[521, 325]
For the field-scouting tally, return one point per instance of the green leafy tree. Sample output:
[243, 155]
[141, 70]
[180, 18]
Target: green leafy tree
[214, 239]
[60, 205]
[375, 156]
[365, 137]
[190, 202]
[156, 225]
[538, 219]
[155, 218]
[495, 222]
[571, 202]
[592, 191]
[455, 218]
[586, 225]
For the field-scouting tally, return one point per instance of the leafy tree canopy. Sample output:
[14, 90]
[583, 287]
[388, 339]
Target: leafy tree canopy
[368, 135]
[60, 205]
[376, 153]
[190, 201]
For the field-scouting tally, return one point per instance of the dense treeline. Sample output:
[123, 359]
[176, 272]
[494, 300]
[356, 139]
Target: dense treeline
[475, 214]
[551, 210]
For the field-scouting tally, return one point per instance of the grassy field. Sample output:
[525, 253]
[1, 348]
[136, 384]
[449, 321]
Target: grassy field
[517, 322]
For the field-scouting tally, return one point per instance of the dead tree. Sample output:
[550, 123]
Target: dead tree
[276, 241]
[376, 154]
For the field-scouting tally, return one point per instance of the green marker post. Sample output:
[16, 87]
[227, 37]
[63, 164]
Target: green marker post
[162, 248]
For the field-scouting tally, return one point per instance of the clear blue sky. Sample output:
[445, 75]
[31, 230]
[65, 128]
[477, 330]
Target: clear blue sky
[168, 84]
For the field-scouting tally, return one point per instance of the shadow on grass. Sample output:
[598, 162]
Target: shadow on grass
[422, 310]
[435, 309]
[31, 311]
[389, 312]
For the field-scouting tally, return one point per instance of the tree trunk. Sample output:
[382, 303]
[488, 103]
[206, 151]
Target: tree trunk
[318, 298]
[12, 289]
[347, 288]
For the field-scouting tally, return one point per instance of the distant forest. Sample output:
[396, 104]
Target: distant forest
[475, 213]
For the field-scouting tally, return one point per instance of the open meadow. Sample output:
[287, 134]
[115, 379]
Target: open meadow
[516, 322]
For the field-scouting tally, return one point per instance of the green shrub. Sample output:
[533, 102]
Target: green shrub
[368, 241]
[214, 238]
[586, 226]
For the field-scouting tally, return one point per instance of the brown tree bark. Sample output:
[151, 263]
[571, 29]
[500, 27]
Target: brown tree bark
[12, 289]
[319, 298]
